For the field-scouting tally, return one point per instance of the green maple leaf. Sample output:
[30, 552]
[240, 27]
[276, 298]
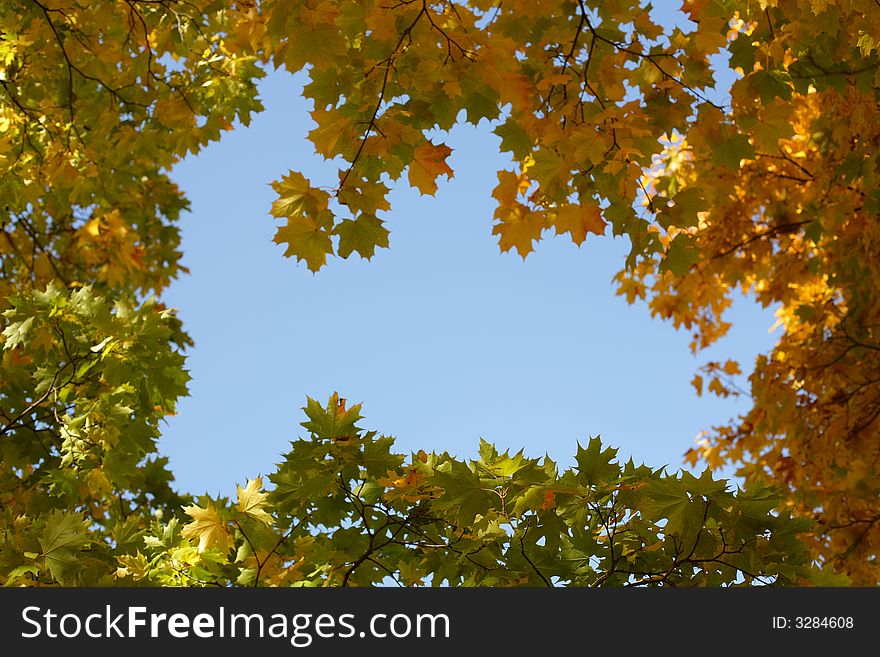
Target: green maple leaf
[63, 536]
[770, 85]
[481, 105]
[463, 492]
[297, 489]
[757, 502]
[501, 465]
[681, 255]
[668, 498]
[596, 465]
[514, 139]
[705, 485]
[363, 235]
[334, 421]
[377, 457]
[17, 333]
[687, 203]
[730, 152]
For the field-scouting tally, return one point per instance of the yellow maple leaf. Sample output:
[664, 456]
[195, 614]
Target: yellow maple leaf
[716, 387]
[307, 238]
[252, 501]
[510, 185]
[732, 367]
[578, 220]
[519, 228]
[711, 35]
[646, 27]
[429, 162]
[173, 112]
[332, 130]
[207, 527]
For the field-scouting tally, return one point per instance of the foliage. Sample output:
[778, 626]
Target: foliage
[347, 511]
[611, 118]
[84, 388]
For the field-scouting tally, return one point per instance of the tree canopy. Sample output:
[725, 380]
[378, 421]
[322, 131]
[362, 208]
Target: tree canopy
[616, 125]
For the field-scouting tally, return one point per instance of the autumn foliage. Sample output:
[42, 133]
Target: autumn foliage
[617, 124]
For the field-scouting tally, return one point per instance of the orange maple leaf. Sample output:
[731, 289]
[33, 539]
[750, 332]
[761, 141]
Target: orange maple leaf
[429, 162]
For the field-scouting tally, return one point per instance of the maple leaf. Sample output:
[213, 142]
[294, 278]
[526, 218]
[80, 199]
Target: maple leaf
[333, 421]
[307, 239]
[577, 221]
[514, 139]
[332, 130]
[207, 528]
[519, 229]
[770, 187]
[429, 162]
[252, 501]
[694, 7]
[363, 235]
[509, 186]
[669, 499]
[63, 536]
[595, 464]
[731, 367]
[710, 35]
[681, 255]
[16, 333]
[717, 387]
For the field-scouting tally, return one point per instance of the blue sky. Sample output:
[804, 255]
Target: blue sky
[442, 337]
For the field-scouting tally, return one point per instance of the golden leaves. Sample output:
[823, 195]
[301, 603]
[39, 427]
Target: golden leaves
[332, 130]
[428, 163]
[173, 112]
[307, 232]
[295, 195]
[577, 221]
[731, 368]
[108, 243]
[306, 34]
[711, 35]
[207, 528]
[519, 228]
[252, 501]
[307, 239]
[645, 26]
[782, 186]
[510, 185]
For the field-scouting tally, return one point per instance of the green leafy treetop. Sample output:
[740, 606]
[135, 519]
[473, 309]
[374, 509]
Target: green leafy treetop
[609, 120]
